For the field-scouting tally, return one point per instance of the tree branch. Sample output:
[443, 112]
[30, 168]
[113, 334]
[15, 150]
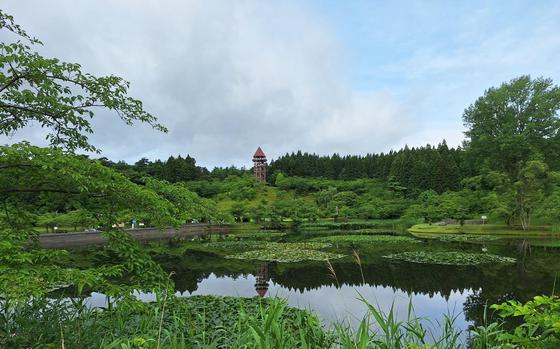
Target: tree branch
[13, 81]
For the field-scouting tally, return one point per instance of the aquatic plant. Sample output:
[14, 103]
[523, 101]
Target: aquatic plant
[266, 245]
[287, 253]
[379, 329]
[257, 235]
[467, 238]
[234, 244]
[367, 239]
[169, 322]
[449, 258]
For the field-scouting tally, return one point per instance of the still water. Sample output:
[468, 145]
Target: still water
[434, 290]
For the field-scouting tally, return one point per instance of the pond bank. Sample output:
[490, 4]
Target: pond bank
[82, 239]
[484, 229]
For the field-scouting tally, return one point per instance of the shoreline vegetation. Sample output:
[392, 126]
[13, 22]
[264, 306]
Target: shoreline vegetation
[484, 229]
[234, 322]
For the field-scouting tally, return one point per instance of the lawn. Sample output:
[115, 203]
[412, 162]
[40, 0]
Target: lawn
[426, 230]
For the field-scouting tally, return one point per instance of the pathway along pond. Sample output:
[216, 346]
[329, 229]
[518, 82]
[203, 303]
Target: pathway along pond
[201, 268]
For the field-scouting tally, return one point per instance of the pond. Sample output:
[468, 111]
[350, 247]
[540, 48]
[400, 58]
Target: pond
[201, 268]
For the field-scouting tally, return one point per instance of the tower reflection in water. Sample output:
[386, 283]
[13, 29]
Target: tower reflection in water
[261, 283]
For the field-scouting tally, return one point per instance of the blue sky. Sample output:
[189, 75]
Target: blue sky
[441, 55]
[351, 77]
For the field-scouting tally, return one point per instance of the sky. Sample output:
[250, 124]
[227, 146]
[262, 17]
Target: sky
[346, 77]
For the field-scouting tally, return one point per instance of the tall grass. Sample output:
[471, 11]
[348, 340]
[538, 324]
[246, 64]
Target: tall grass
[227, 322]
[244, 324]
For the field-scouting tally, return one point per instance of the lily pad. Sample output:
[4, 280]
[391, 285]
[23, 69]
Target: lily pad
[289, 252]
[235, 245]
[258, 235]
[450, 258]
[287, 255]
[468, 238]
[266, 245]
[367, 239]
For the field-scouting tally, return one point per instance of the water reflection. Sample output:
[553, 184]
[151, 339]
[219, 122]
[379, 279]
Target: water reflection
[331, 303]
[433, 289]
[261, 283]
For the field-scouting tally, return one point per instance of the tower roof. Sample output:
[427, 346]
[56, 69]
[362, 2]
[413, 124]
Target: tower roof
[259, 153]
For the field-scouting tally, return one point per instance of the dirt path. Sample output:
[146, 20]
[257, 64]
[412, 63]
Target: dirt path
[67, 240]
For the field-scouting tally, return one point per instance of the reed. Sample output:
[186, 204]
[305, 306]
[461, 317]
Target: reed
[227, 322]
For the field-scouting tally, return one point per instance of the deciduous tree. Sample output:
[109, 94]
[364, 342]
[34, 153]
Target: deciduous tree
[56, 95]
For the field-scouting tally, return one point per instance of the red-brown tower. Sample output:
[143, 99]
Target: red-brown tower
[259, 165]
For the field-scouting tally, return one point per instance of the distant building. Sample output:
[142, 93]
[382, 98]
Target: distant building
[259, 165]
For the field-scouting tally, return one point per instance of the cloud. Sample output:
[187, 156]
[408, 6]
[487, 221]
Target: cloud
[223, 76]
[438, 57]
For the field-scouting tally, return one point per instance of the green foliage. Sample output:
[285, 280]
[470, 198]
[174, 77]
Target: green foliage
[35, 177]
[541, 321]
[515, 123]
[187, 206]
[379, 329]
[216, 322]
[513, 135]
[449, 258]
[170, 322]
[76, 218]
[550, 208]
[427, 209]
[57, 95]
[407, 171]
[373, 224]
[536, 325]
[533, 181]
[240, 211]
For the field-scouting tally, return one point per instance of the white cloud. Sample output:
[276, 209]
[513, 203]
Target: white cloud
[223, 76]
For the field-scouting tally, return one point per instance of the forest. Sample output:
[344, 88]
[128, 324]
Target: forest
[419, 184]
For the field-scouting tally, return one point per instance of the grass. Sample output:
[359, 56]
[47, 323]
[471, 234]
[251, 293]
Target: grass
[210, 322]
[449, 258]
[170, 322]
[61, 229]
[485, 229]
